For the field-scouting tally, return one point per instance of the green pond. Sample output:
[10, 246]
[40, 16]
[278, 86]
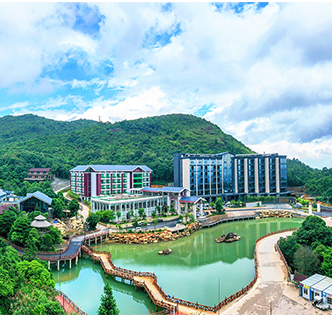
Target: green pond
[191, 272]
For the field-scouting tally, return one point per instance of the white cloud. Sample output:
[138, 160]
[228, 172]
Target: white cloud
[265, 74]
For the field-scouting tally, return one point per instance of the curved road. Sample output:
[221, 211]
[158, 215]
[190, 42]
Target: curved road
[271, 294]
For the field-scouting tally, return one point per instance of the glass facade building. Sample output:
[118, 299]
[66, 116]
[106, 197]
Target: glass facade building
[231, 176]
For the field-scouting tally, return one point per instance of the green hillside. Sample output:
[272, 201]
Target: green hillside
[151, 141]
[26, 127]
[317, 182]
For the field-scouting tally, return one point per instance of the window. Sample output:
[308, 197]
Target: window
[305, 291]
[317, 294]
[329, 300]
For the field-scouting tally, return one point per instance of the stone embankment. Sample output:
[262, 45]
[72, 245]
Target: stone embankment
[72, 225]
[156, 237]
[274, 213]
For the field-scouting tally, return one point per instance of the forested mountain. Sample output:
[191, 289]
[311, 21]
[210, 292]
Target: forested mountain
[317, 182]
[31, 141]
[26, 127]
[151, 141]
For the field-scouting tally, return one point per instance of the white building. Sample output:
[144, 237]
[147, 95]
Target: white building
[317, 287]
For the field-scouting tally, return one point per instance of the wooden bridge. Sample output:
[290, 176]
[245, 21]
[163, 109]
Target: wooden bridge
[148, 281]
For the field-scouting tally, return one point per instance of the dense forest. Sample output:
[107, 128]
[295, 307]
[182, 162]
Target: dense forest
[317, 182]
[32, 141]
[151, 141]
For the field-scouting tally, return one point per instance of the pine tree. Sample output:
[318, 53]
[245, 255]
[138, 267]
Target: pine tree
[108, 303]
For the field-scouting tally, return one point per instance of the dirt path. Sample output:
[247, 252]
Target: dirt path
[84, 209]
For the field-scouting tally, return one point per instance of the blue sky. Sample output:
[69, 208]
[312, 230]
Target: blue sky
[260, 71]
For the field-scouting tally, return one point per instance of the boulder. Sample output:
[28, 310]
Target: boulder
[165, 251]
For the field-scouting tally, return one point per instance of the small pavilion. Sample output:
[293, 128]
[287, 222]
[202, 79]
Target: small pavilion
[179, 195]
[41, 224]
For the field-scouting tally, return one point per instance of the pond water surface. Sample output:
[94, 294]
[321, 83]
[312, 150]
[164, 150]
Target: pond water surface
[191, 272]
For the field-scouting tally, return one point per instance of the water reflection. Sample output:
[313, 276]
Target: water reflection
[84, 284]
[201, 248]
[191, 272]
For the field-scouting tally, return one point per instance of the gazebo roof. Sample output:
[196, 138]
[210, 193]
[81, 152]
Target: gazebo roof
[40, 222]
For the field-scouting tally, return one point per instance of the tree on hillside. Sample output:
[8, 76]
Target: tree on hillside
[20, 230]
[108, 304]
[288, 247]
[306, 261]
[58, 207]
[7, 219]
[93, 220]
[314, 229]
[31, 245]
[327, 262]
[73, 207]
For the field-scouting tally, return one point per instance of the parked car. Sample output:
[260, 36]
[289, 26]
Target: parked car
[321, 305]
[138, 229]
[178, 221]
[160, 220]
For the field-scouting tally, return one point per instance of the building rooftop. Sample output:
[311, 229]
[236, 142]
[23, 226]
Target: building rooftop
[313, 280]
[191, 199]
[40, 222]
[172, 189]
[323, 284]
[204, 155]
[39, 195]
[112, 168]
[117, 198]
[39, 169]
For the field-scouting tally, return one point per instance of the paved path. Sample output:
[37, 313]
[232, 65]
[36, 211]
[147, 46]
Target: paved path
[272, 276]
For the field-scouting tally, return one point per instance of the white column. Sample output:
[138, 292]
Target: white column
[58, 264]
[69, 263]
[168, 201]
[194, 211]
[217, 192]
[246, 189]
[178, 204]
[203, 169]
[310, 208]
[277, 176]
[76, 260]
[186, 207]
[256, 176]
[267, 176]
[201, 208]
[318, 206]
[235, 176]
[49, 264]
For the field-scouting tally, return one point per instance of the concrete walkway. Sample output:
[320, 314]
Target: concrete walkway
[271, 294]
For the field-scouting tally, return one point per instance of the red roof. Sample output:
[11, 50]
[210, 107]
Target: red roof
[299, 277]
[39, 169]
[4, 208]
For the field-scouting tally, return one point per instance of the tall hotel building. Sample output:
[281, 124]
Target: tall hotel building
[94, 180]
[231, 176]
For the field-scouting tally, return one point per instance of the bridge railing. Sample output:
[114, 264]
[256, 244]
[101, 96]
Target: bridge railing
[95, 234]
[77, 309]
